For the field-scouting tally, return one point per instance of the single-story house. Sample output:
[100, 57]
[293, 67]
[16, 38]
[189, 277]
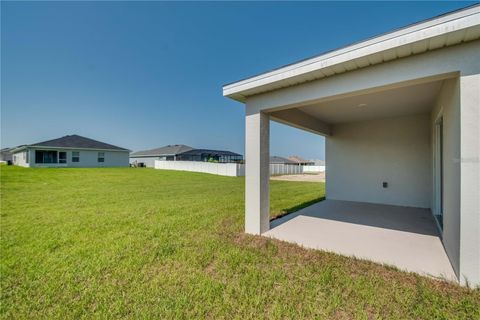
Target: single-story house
[180, 152]
[281, 160]
[300, 161]
[70, 151]
[318, 162]
[6, 155]
[401, 117]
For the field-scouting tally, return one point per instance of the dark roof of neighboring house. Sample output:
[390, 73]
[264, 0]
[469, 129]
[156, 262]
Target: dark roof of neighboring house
[176, 149]
[298, 159]
[170, 150]
[210, 152]
[74, 141]
[276, 159]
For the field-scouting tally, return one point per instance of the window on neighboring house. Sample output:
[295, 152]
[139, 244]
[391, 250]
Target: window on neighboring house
[45, 156]
[62, 157]
[101, 157]
[75, 156]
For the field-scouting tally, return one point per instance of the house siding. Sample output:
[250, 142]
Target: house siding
[88, 159]
[20, 158]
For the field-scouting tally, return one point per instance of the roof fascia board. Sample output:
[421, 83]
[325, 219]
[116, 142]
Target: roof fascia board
[16, 150]
[65, 148]
[420, 32]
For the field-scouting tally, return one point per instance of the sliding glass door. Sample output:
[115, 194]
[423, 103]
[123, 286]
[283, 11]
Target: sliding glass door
[45, 156]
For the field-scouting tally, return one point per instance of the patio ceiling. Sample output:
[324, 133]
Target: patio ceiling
[416, 99]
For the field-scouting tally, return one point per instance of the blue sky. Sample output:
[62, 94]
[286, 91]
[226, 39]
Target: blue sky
[142, 75]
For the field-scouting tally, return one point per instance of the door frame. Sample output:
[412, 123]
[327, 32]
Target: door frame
[438, 172]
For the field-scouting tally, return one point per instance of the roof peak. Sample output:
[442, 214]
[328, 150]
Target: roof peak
[76, 141]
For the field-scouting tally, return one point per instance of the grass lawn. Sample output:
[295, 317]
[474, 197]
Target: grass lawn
[144, 243]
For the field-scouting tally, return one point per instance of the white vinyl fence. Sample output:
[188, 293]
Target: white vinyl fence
[313, 169]
[279, 169]
[223, 169]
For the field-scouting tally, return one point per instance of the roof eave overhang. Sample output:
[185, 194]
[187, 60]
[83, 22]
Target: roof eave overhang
[66, 148]
[464, 24]
[18, 149]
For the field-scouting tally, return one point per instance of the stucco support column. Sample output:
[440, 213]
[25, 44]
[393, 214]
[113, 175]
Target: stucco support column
[470, 179]
[257, 172]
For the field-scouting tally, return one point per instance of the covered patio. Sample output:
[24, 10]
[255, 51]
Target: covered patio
[400, 113]
[404, 237]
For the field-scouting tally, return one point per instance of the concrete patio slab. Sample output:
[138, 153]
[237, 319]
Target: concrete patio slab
[404, 237]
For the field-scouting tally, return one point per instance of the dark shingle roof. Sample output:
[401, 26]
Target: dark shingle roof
[182, 149]
[169, 150]
[76, 141]
[276, 159]
[210, 152]
[298, 159]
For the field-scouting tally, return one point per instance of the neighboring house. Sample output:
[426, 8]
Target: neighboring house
[281, 160]
[317, 162]
[180, 152]
[70, 151]
[6, 155]
[401, 117]
[148, 157]
[300, 161]
[314, 166]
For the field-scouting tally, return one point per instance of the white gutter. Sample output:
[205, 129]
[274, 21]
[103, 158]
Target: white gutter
[63, 148]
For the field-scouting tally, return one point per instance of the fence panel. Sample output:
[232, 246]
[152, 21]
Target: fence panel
[313, 169]
[282, 169]
[224, 169]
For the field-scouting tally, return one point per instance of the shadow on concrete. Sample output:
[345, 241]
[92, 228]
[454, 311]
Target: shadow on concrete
[409, 219]
[297, 207]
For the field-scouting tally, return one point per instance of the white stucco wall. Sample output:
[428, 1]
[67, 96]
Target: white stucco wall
[470, 178]
[21, 158]
[88, 159]
[362, 155]
[448, 106]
